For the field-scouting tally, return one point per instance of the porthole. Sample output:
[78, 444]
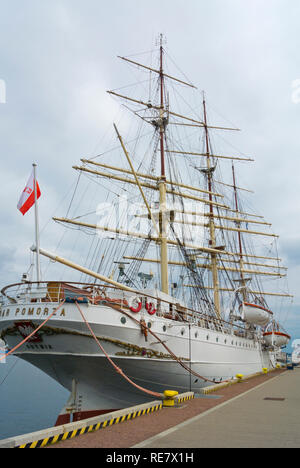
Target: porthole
[182, 331]
[196, 335]
[225, 341]
[217, 339]
[207, 337]
[164, 328]
[123, 320]
[149, 324]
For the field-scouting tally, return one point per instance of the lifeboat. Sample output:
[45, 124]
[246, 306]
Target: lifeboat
[276, 338]
[256, 314]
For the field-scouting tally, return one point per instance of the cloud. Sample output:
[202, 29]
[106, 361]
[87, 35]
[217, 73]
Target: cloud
[291, 251]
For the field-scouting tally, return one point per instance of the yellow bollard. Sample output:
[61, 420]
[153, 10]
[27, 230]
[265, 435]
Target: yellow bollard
[169, 399]
[239, 377]
[265, 370]
[278, 366]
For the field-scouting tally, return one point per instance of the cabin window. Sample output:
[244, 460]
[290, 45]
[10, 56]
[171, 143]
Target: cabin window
[123, 320]
[164, 328]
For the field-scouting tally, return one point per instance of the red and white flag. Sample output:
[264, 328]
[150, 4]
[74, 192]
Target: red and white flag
[27, 198]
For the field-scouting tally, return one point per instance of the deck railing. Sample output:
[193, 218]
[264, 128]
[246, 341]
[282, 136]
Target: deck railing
[96, 294]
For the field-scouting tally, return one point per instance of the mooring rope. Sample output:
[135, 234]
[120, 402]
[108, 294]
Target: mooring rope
[173, 355]
[33, 333]
[117, 369]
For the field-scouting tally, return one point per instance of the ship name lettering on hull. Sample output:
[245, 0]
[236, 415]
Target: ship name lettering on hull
[32, 311]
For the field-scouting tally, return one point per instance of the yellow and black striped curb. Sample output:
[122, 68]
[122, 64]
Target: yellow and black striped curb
[216, 387]
[68, 431]
[184, 397]
[90, 428]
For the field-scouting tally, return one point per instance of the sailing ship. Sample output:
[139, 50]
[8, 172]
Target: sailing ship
[126, 334]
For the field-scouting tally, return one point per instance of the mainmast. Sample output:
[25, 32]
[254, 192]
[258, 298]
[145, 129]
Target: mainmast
[162, 184]
[212, 242]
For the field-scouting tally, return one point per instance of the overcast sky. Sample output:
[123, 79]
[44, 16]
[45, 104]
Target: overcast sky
[58, 57]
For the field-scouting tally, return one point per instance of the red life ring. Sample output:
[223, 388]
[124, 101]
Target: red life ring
[135, 309]
[150, 308]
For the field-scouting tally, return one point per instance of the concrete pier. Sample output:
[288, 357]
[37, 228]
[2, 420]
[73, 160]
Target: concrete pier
[261, 411]
[266, 416]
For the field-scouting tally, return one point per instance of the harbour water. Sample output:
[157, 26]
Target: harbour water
[29, 399]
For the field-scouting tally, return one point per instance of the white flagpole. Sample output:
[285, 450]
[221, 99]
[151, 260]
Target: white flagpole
[37, 234]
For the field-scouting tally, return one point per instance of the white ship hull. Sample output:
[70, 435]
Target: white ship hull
[65, 350]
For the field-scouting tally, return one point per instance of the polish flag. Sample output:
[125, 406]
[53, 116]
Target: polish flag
[27, 198]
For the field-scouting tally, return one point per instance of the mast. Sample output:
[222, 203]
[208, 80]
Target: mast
[241, 262]
[212, 243]
[162, 185]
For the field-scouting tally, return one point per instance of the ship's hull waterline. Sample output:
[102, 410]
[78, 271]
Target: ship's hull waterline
[65, 350]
